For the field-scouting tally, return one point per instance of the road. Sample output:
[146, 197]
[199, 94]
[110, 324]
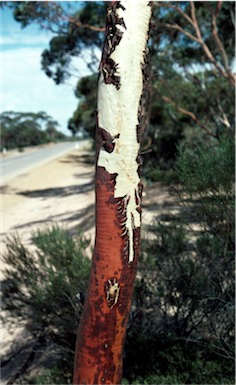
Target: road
[15, 166]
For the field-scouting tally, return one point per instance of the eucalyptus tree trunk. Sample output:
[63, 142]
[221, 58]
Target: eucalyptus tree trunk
[102, 329]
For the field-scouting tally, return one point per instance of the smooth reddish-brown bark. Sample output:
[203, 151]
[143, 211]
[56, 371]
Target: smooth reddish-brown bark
[103, 327]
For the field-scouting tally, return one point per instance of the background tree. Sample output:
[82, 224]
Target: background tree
[191, 99]
[83, 117]
[189, 64]
[78, 29]
[22, 129]
[191, 75]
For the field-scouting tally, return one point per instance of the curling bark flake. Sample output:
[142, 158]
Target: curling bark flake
[101, 333]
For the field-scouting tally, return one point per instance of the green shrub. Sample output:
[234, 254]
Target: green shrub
[41, 284]
[207, 169]
[182, 322]
[54, 375]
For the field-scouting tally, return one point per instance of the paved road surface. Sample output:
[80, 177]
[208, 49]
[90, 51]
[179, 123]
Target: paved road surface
[12, 167]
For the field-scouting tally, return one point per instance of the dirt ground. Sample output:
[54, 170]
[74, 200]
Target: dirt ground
[62, 192]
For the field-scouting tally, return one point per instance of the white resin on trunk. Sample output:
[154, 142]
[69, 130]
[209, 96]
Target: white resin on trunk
[118, 109]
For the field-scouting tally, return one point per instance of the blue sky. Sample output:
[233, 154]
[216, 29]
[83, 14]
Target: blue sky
[25, 87]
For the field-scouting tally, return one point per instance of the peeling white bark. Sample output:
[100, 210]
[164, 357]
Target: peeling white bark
[118, 109]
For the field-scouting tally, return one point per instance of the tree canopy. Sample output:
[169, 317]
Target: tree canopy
[190, 89]
[21, 129]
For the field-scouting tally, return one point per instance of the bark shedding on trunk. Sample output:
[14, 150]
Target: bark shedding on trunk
[102, 329]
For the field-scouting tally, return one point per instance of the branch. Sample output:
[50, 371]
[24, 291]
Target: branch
[199, 35]
[178, 28]
[64, 15]
[188, 113]
[88, 26]
[226, 74]
[225, 70]
[57, 14]
[178, 9]
[217, 39]
[224, 119]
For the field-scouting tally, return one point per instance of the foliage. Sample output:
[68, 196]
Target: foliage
[189, 88]
[54, 375]
[209, 168]
[84, 118]
[190, 99]
[182, 323]
[73, 43]
[194, 372]
[187, 101]
[21, 129]
[40, 287]
[78, 31]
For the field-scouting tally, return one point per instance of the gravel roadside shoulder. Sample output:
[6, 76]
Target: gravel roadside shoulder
[61, 191]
